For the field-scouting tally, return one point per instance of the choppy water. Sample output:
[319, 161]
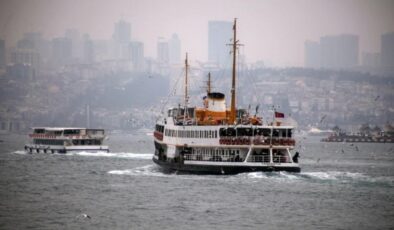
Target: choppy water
[341, 187]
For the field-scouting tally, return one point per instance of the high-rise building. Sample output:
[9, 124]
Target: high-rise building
[121, 39]
[333, 52]
[88, 50]
[61, 51]
[174, 49]
[122, 32]
[387, 50]
[312, 54]
[163, 55]
[137, 55]
[219, 35]
[76, 42]
[2, 54]
[339, 52]
[370, 59]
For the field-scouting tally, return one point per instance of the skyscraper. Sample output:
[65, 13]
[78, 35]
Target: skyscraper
[2, 53]
[339, 52]
[122, 32]
[121, 39]
[137, 55]
[174, 49]
[88, 50]
[387, 50]
[332, 52]
[312, 54]
[61, 51]
[162, 51]
[219, 35]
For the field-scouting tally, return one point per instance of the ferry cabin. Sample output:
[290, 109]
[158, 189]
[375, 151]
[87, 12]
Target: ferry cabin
[62, 140]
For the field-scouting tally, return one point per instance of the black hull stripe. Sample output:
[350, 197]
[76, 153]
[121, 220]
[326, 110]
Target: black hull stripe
[213, 169]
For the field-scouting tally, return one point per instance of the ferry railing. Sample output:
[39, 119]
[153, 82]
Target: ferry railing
[281, 159]
[257, 140]
[260, 158]
[216, 158]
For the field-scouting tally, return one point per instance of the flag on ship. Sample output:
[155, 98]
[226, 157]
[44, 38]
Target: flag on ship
[279, 115]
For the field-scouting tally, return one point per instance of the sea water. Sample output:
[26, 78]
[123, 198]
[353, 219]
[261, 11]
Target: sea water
[341, 186]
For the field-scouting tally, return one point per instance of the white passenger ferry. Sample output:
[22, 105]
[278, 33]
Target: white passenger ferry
[214, 139]
[64, 140]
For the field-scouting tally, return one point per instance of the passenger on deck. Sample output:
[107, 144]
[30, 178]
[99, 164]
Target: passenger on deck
[295, 157]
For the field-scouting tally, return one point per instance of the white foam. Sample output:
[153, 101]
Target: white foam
[147, 170]
[120, 172]
[257, 175]
[115, 155]
[334, 175]
[21, 152]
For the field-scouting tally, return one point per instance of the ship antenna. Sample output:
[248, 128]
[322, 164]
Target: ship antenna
[209, 83]
[234, 47]
[186, 93]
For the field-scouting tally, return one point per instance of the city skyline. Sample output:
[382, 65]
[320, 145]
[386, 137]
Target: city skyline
[272, 31]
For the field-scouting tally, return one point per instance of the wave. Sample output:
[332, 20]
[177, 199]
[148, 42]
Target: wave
[329, 176]
[144, 156]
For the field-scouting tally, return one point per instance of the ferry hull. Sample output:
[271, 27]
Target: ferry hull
[222, 169]
[66, 149]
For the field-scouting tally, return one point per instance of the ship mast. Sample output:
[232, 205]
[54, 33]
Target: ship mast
[234, 44]
[186, 93]
[209, 83]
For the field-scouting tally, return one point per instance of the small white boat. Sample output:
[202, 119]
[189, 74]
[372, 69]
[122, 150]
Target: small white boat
[64, 140]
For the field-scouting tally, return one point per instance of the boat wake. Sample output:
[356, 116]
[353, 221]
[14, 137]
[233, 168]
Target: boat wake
[21, 152]
[147, 170]
[144, 156]
[329, 176]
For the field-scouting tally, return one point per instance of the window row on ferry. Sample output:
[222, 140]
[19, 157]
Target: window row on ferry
[249, 132]
[191, 133]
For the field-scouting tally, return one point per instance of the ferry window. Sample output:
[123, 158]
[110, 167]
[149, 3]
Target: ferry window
[275, 133]
[222, 132]
[258, 132]
[71, 132]
[289, 133]
[216, 133]
[244, 132]
[39, 131]
[266, 132]
[231, 132]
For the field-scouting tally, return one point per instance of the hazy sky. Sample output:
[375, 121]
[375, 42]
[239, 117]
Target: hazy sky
[273, 31]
